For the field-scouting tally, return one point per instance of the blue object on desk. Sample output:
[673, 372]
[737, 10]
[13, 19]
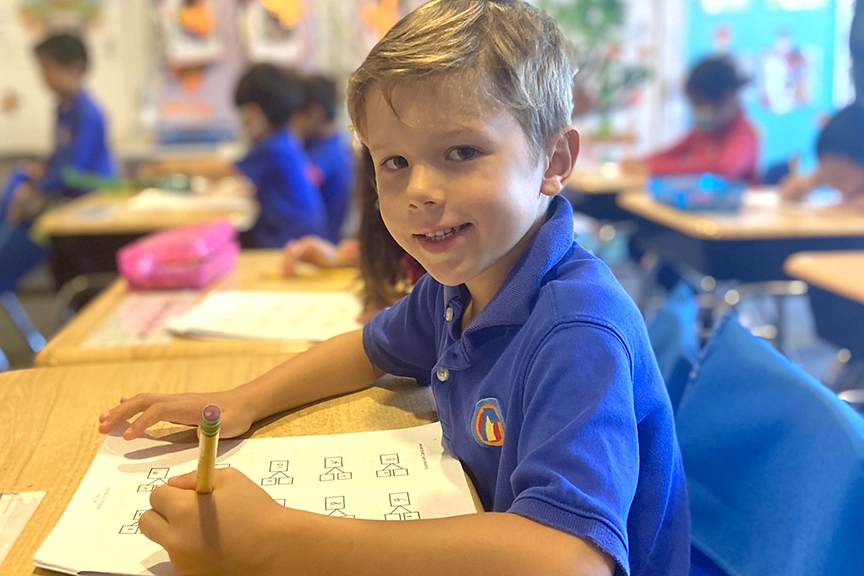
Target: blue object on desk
[774, 463]
[703, 192]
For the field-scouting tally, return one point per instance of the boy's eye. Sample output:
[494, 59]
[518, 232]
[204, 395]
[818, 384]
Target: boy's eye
[462, 153]
[395, 163]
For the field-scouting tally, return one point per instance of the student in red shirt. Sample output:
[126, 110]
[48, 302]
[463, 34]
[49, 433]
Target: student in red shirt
[722, 141]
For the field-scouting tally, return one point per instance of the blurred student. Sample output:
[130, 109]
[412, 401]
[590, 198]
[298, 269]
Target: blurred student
[722, 141]
[80, 147]
[387, 271]
[840, 149]
[276, 163]
[328, 150]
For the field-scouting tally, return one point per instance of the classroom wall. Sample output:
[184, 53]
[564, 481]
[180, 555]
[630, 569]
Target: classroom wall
[121, 48]
[126, 70]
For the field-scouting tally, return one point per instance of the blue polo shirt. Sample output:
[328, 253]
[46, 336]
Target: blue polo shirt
[332, 155]
[552, 399]
[291, 206]
[80, 143]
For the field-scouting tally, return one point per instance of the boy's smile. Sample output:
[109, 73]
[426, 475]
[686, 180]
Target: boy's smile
[459, 186]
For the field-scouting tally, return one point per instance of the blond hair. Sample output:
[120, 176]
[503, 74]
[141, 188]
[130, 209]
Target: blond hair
[511, 51]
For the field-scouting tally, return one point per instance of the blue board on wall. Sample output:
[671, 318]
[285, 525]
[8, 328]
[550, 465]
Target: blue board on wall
[789, 54]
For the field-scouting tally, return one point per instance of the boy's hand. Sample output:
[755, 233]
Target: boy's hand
[179, 409]
[795, 187]
[26, 204]
[310, 249]
[225, 532]
[633, 166]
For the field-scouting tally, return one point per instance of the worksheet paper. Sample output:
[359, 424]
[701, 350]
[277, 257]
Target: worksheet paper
[397, 475]
[269, 315]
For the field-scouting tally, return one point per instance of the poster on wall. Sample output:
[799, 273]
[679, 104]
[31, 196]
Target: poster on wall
[788, 74]
[200, 64]
[281, 32]
[190, 31]
[42, 16]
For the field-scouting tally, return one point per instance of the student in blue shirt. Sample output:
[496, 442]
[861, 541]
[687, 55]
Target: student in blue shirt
[291, 205]
[543, 375]
[276, 163]
[80, 146]
[327, 149]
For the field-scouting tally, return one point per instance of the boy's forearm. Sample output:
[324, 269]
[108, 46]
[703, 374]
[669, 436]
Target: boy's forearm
[334, 367]
[490, 543]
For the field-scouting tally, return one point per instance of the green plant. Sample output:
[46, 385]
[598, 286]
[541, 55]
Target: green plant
[596, 29]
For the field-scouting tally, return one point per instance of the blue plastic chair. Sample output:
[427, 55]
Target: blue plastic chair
[674, 338]
[774, 464]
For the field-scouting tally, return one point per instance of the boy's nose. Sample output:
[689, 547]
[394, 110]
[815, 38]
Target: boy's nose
[424, 188]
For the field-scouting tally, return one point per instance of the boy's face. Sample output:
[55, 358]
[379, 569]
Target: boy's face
[711, 116]
[459, 187]
[60, 79]
[842, 174]
[253, 122]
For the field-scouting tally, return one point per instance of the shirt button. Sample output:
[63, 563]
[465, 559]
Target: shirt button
[448, 314]
[443, 374]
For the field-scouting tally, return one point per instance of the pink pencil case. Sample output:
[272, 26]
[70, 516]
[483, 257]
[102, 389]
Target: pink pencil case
[185, 257]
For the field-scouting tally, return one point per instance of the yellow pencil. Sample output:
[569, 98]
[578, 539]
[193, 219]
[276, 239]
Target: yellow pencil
[208, 441]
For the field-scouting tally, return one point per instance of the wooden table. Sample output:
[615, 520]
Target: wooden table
[836, 295]
[49, 436]
[255, 270]
[87, 232]
[749, 246]
[593, 191]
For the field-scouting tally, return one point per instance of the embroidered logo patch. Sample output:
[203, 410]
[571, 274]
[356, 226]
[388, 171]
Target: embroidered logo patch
[488, 422]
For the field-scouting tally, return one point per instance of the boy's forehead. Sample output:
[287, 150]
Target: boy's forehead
[443, 107]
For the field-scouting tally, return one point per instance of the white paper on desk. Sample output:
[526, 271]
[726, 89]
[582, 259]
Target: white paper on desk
[154, 199]
[268, 315]
[16, 508]
[388, 475]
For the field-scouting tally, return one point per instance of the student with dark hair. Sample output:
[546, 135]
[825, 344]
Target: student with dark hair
[80, 147]
[291, 206]
[327, 149]
[722, 141]
[840, 149]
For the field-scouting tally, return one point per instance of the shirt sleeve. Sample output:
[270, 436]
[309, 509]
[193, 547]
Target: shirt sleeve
[255, 166]
[579, 441]
[735, 158]
[401, 339]
[88, 139]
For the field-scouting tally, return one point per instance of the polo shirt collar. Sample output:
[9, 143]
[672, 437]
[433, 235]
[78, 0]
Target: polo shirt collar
[512, 305]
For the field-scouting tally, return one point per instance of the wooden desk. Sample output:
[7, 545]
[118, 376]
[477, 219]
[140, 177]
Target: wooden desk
[87, 232]
[110, 213]
[255, 270]
[49, 436]
[836, 295]
[749, 246]
[593, 191]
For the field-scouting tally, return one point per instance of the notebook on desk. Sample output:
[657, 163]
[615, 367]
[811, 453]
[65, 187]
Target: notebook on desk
[395, 475]
[252, 315]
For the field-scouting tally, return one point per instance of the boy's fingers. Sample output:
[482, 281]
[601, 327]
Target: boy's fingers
[185, 481]
[154, 526]
[121, 413]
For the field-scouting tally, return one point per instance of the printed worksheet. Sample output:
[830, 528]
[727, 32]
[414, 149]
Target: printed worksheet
[270, 315]
[396, 475]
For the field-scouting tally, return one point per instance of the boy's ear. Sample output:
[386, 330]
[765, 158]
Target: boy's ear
[561, 162]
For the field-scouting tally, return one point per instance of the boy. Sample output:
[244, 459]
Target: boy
[276, 164]
[80, 144]
[840, 149]
[723, 140]
[545, 383]
[327, 150]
